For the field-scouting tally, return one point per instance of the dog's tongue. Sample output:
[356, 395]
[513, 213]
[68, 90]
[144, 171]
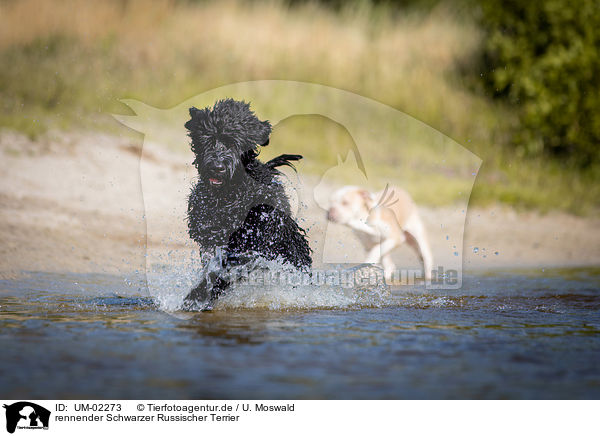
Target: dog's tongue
[215, 181]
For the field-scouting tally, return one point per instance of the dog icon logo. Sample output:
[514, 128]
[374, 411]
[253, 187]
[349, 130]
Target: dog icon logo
[380, 146]
[26, 415]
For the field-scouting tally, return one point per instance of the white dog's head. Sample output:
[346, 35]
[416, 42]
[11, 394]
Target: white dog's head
[349, 203]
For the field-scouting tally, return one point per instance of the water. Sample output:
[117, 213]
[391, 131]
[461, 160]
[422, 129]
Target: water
[504, 335]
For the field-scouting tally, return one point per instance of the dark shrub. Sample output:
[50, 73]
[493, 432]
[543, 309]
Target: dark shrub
[544, 57]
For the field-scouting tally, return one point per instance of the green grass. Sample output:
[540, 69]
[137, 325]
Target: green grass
[65, 70]
[538, 184]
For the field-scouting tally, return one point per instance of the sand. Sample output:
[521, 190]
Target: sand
[73, 202]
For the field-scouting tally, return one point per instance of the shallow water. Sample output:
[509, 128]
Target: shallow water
[504, 335]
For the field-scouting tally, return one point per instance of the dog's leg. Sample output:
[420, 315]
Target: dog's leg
[203, 296]
[374, 254]
[379, 250]
[417, 239]
[362, 226]
[215, 280]
[388, 267]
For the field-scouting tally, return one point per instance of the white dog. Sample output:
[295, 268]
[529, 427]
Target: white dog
[382, 222]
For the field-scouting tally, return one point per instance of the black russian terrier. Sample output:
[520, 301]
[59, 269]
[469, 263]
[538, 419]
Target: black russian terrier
[238, 209]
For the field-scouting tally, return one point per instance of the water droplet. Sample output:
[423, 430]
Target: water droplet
[475, 250]
[456, 253]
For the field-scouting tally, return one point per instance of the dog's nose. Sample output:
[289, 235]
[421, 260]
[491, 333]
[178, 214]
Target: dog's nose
[219, 168]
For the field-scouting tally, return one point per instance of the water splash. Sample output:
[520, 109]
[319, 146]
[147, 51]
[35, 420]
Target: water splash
[265, 284]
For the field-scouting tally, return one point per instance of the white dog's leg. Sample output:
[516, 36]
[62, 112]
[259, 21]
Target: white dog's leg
[374, 254]
[419, 242]
[379, 250]
[388, 267]
[362, 226]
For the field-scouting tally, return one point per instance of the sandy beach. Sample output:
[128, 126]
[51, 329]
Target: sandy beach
[73, 202]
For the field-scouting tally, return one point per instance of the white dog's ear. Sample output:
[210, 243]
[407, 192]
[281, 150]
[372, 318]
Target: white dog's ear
[366, 196]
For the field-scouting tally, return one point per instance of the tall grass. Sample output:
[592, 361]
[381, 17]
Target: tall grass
[65, 64]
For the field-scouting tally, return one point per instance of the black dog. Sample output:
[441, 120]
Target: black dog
[238, 207]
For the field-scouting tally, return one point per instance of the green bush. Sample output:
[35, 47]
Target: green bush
[544, 58]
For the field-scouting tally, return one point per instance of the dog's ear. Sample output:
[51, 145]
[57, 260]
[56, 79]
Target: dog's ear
[194, 112]
[366, 197]
[263, 131]
[198, 119]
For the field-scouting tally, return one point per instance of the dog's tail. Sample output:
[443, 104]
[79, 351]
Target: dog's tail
[283, 159]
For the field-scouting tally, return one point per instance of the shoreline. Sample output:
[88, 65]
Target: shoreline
[72, 202]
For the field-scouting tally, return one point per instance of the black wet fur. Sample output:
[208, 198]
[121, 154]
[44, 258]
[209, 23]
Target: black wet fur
[239, 203]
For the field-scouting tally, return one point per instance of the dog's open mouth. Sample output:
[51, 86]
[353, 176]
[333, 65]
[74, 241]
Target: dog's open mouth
[215, 182]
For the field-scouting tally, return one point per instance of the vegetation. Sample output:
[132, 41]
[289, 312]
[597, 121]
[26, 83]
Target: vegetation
[543, 58]
[65, 64]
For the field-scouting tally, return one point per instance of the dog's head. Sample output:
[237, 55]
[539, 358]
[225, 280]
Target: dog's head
[225, 138]
[348, 203]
